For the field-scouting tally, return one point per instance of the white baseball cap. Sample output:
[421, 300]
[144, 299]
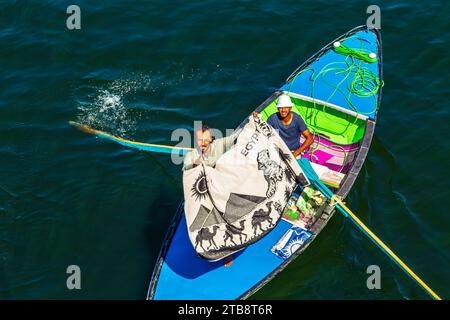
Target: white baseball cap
[284, 101]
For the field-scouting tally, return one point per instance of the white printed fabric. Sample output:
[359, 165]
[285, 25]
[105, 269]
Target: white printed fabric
[241, 199]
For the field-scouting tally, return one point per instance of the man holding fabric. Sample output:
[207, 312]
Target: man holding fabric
[290, 126]
[209, 150]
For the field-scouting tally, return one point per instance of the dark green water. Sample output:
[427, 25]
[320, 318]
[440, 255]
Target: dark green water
[142, 69]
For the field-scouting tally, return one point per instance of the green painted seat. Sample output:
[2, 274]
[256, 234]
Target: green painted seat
[338, 127]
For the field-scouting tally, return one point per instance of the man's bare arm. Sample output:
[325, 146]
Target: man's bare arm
[308, 141]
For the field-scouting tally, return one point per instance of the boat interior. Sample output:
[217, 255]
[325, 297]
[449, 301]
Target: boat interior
[337, 137]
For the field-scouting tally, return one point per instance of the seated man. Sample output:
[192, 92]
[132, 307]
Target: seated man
[210, 149]
[290, 126]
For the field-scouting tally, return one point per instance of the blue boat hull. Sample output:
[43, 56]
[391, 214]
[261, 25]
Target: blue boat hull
[181, 274]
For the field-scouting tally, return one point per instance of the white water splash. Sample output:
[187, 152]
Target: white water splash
[107, 112]
[108, 108]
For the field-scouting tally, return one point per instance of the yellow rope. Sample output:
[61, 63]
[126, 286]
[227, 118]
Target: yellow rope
[335, 199]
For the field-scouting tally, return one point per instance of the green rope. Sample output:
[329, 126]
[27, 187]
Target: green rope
[364, 84]
[360, 54]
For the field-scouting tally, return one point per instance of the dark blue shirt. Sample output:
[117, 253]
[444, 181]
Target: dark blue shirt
[291, 133]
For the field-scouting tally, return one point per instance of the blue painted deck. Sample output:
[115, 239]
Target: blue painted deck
[311, 83]
[184, 275]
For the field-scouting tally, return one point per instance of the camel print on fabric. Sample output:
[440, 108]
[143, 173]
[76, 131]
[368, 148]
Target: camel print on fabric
[273, 173]
[240, 199]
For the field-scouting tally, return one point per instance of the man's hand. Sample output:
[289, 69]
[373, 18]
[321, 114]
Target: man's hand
[255, 114]
[309, 140]
[197, 161]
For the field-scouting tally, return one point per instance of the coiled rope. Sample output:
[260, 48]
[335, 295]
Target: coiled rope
[364, 84]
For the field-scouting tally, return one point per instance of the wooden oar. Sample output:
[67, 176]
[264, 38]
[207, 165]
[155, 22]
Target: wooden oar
[312, 176]
[132, 144]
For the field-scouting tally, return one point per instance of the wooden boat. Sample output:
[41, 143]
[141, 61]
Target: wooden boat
[337, 92]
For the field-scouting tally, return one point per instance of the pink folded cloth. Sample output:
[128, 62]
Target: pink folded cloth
[329, 154]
